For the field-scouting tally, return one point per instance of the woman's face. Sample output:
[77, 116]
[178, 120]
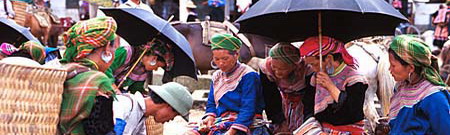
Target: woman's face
[399, 72]
[281, 69]
[224, 60]
[314, 63]
[148, 60]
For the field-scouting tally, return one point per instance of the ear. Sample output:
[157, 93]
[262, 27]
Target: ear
[411, 68]
[328, 58]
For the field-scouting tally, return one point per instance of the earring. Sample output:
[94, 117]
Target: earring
[330, 69]
[213, 65]
[106, 56]
[409, 77]
[153, 62]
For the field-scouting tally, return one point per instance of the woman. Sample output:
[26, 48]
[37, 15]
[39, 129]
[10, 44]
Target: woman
[282, 72]
[233, 106]
[88, 93]
[337, 102]
[32, 50]
[420, 104]
[158, 55]
[440, 20]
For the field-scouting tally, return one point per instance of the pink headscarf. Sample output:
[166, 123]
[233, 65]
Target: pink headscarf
[329, 46]
[7, 49]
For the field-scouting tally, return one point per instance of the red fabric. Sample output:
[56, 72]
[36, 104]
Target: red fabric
[354, 129]
[329, 46]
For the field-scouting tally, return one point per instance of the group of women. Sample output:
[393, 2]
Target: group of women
[298, 94]
[301, 97]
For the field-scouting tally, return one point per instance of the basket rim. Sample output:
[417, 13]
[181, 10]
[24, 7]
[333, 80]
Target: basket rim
[39, 67]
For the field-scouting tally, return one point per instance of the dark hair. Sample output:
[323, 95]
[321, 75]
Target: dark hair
[417, 69]
[229, 51]
[156, 98]
[21, 53]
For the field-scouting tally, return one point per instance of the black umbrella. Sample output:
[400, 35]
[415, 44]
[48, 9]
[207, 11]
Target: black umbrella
[138, 26]
[296, 20]
[13, 33]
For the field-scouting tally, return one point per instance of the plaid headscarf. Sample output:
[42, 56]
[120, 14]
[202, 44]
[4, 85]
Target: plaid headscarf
[82, 38]
[285, 52]
[225, 41]
[329, 46]
[159, 48]
[36, 51]
[8, 49]
[415, 51]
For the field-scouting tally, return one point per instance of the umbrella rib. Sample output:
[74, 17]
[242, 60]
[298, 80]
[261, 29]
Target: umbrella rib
[359, 6]
[288, 6]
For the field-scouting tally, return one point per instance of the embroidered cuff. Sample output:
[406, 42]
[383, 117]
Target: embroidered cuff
[209, 114]
[240, 127]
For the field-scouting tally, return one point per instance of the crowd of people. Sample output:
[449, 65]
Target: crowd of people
[298, 94]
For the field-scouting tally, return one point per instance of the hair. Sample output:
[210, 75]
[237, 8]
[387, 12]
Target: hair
[21, 53]
[417, 69]
[229, 51]
[156, 98]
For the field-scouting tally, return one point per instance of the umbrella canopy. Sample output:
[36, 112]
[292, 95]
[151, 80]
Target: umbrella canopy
[13, 33]
[296, 20]
[138, 26]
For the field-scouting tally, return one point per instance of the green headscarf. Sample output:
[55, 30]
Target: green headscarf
[35, 49]
[285, 52]
[414, 51]
[82, 38]
[225, 41]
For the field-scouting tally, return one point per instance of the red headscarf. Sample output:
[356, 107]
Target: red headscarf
[329, 46]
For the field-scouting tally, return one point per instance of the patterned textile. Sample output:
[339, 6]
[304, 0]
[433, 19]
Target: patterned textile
[7, 49]
[415, 51]
[429, 116]
[223, 123]
[159, 48]
[228, 92]
[223, 83]
[80, 90]
[293, 110]
[285, 52]
[314, 127]
[225, 41]
[441, 33]
[408, 95]
[330, 45]
[295, 82]
[343, 76]
[441, 16]
[83, 37]
[36, 51]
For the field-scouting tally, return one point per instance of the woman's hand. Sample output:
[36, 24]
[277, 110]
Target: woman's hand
[324, 80]
[209, 121]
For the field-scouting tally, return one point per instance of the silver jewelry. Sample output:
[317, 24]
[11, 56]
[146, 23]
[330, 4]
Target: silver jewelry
[213, 65]
[153, 62]
[106, 56]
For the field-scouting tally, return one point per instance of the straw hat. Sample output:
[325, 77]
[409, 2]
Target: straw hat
[190, 4]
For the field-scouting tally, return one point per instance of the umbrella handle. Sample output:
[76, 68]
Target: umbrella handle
[140, 57]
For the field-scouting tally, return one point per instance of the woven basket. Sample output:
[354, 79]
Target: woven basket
[30, 99]
[153, 128]
[20, 8]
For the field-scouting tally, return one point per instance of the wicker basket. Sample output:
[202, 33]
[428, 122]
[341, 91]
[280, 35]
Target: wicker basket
[30, 99]
[152, 127]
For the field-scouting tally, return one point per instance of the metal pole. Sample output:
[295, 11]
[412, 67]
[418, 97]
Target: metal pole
[227, 10]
